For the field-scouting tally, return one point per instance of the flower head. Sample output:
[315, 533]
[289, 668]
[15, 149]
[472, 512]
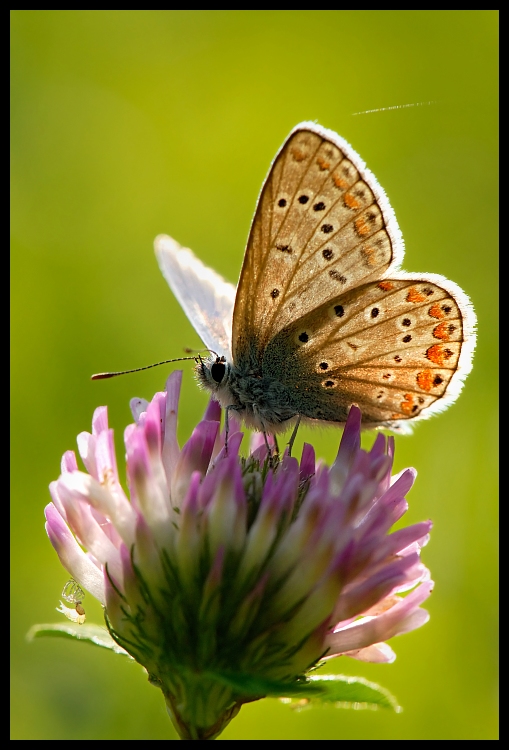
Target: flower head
[219, 567]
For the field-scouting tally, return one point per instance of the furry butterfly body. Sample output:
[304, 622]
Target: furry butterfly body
[322, 317]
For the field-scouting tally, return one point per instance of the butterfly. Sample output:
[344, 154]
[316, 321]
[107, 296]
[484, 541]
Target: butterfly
[322, 318]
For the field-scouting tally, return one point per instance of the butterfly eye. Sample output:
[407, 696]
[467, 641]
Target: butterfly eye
[218, 370]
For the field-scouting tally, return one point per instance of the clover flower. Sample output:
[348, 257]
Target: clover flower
[230, 578]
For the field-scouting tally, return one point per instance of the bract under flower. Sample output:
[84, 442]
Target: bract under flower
[221, 564]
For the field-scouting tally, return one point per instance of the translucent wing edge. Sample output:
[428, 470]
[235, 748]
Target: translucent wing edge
[391, 223]
[206, 298]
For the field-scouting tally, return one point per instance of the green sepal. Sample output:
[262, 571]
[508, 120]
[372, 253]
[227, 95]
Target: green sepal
[93, 634]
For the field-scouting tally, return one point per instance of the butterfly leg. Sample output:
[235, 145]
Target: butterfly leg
[293, 435]
[271, 450]
[276, 445]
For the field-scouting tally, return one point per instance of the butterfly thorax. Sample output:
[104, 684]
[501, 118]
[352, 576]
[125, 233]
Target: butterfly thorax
[261, 401]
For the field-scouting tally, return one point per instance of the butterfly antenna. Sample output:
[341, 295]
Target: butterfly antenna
[104, 375]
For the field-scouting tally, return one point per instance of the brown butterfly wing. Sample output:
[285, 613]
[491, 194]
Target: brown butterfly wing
[319, 230]
[320, 305]
[393, 347]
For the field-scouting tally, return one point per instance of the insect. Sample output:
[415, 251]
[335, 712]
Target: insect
[322, 318]
[74, 594]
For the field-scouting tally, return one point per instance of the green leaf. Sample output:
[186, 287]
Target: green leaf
[93, 634]
[345, 692]
[248, 684]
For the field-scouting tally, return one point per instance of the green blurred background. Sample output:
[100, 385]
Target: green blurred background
[127, 124]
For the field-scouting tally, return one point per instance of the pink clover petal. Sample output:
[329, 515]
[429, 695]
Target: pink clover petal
[377, 653]
[94, 560]
[294, 541]
[117, 509]
[405, 541]
[90, 534]
[302, 580]
[256, 442]
[317, 605]
[189, 542]
[153, 427]
[307, 462]
[87, 446]
[212, 412]
[57, 502]
[226, 508]
[148, 558]
[397, 620]
[69, 462]
[379, 446]
[375, 525]
[129, 433]
[386, 481]
[351, 439]
[260, 538]
[153, 441]
[106, 461]
[194, 456]
[401, 484]
[150, 494]
[234, 441]
[171, 450]
[359, 596]
[100, 420]
[72, 557]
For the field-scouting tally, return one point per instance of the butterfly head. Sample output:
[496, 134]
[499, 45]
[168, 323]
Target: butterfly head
[213, 372]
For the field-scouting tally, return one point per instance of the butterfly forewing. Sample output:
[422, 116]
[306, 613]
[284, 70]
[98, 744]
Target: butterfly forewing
[319, 230]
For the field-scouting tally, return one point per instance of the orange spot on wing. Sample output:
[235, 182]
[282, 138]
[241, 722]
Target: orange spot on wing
[369, 254]
[441, 331]
[407, 405]
[297, 154]
[361, 227]
[322, 163]
[436, 312]
[350, 201]
[414, 295]
[386, 286]
[425, 380]
[438, 355]
[339, 181]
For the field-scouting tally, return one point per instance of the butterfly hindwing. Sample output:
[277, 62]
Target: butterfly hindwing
[393, 347]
